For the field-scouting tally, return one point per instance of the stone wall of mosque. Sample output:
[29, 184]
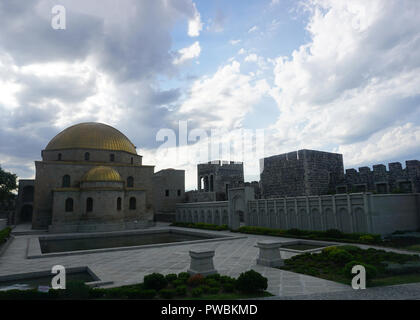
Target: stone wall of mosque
[49, 176]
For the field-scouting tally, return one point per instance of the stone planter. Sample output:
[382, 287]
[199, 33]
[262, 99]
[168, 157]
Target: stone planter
[202, 262]
[269, 254]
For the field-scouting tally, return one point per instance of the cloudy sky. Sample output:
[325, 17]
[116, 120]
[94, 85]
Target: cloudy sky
[333, 75]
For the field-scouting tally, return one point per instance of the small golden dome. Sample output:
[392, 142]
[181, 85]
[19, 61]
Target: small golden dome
[102, 173]
[91, 135]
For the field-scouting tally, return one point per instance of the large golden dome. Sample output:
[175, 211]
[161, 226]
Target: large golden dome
[91, 135]
[102, 173]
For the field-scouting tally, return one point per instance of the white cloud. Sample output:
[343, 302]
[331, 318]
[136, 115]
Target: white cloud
[188, 53]
[195, 25]
[234, 42]
[222, 100]
[253, 29]
[355, 85]
[241, 51]
[251, 58]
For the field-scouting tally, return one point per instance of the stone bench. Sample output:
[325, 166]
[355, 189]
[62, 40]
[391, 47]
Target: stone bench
[202, 262]
[269, 254]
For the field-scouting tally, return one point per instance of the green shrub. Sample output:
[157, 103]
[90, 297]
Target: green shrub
[96, 293]
[76, 290]
[171, 277]
[251, 282]
[352, 249]
[214, 276]
[371, 271]
[4, 234]
[184, 275]
[333, 233]
[195, 280]
[147, 293]
[179, 282]
[205, 288]
[131, 293]
[366, 238]
[212, 283]
[201, 225]
[15, 294]
[339, 255]
[167, 293]
[134, 293]
[295, 232]
[214, 290]
[227, 279]
[197, 292]
[181, 290]
[155, 281]
[228, 287]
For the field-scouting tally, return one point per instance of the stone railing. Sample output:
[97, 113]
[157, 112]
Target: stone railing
[215, 212]
[358, 212]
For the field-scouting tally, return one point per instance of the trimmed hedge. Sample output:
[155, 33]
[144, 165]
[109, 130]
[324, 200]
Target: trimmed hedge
[155, 286]
[251, 282]
[5, 234]
[155, 281]
[328, 235]
[200, 225]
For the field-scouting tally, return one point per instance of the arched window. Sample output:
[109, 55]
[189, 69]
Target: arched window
[69, 205]
[119, 204]
[59, 157]
[130, 182]
[132, 203]
[211, 183]
[87, 156]
[206, 183]
[89, 205]
[66, 181]
[112, 157]
[132, 160]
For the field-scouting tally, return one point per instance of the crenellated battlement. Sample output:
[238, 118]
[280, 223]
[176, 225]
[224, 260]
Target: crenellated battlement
[381, 180]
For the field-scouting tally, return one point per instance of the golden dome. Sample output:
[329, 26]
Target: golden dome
[102, 173]
[91, 135]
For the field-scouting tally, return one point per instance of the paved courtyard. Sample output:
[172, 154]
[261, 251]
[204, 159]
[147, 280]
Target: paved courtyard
[126, 267]
[231, 258]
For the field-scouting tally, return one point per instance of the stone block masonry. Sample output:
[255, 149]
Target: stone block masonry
[379, 180]
[304, 172]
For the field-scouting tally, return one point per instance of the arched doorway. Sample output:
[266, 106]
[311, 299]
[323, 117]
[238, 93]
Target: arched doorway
[26, 214]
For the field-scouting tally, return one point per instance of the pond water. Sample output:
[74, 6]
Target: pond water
[79, 244]
[35, 282]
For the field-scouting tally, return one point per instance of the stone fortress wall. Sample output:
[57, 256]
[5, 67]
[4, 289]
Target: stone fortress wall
[214, 178]
[310, 172]
[358, 212]
[380, 180]
[303, 172]
[295, 189]
[168, 190]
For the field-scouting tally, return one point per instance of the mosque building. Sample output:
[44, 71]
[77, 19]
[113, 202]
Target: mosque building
[91, 177]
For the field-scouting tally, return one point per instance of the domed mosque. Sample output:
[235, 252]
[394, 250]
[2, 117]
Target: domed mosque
[92, 178]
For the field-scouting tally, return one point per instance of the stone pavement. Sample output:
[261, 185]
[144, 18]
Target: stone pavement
[410, 291]
[127, 267]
